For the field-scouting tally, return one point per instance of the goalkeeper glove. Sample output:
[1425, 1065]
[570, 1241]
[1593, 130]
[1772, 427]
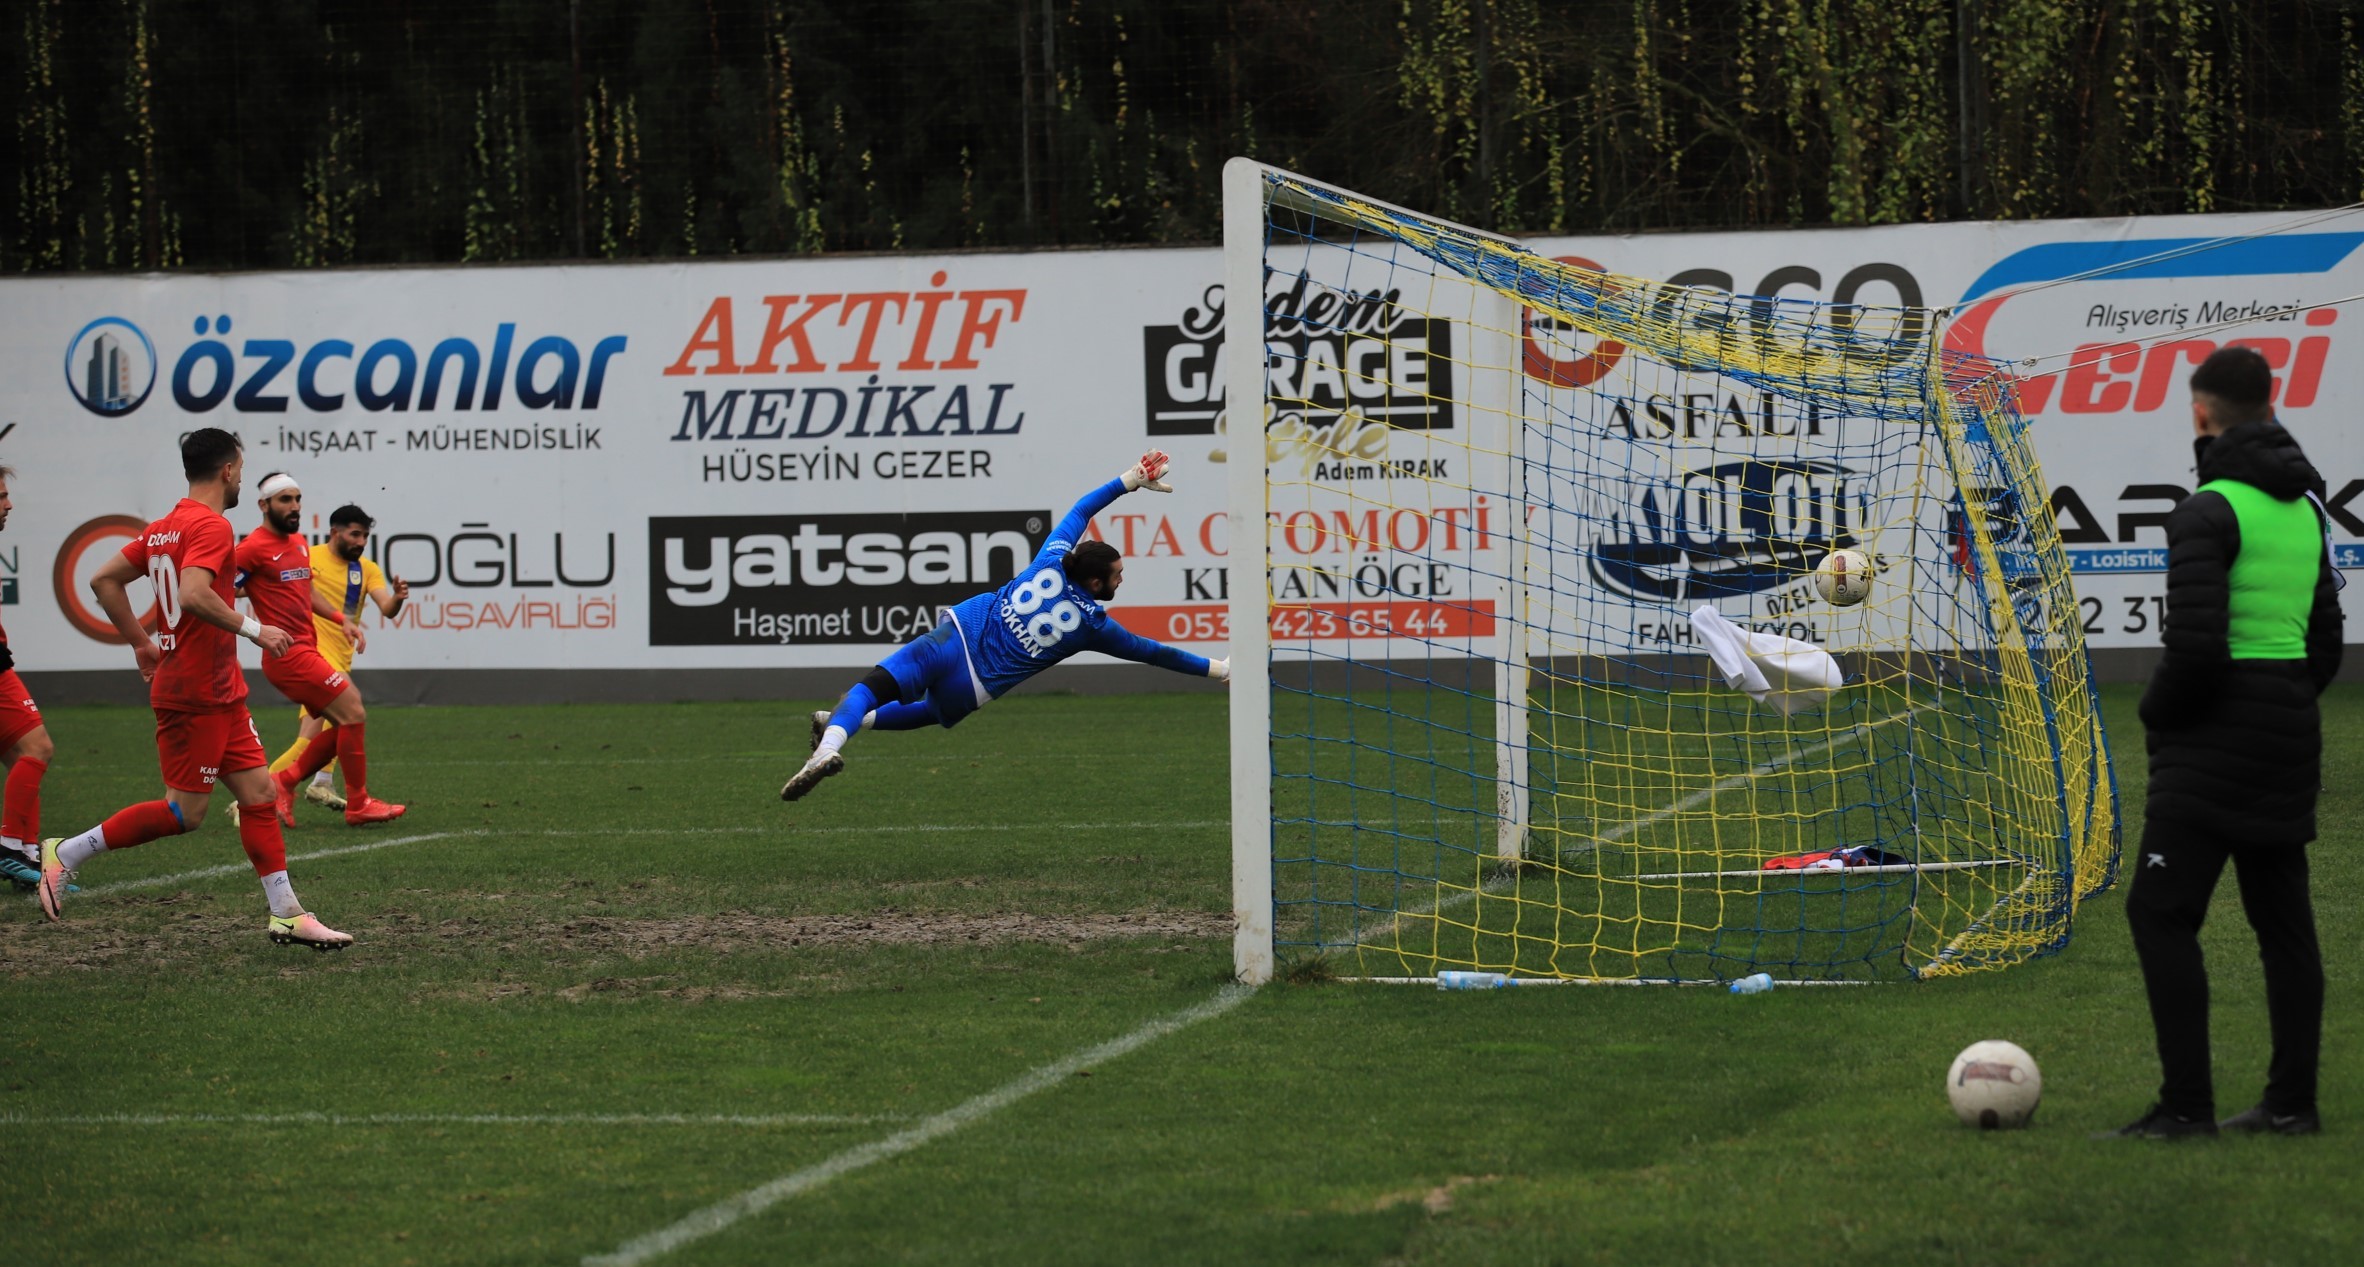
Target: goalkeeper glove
[1149, 473]
[1220, 670]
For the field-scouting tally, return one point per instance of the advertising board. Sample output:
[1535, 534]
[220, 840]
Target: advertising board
[794, 463]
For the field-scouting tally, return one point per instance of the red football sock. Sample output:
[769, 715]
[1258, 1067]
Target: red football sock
[258, 832]
[141, 823]
[21, 820]
[353, 762]
[317, 755]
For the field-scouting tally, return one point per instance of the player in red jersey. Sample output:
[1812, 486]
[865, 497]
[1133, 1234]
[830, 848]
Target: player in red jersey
[203, 732]
[275, 571]
[26, 750]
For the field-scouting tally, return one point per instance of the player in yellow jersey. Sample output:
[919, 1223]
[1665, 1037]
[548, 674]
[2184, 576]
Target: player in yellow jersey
[342, 576]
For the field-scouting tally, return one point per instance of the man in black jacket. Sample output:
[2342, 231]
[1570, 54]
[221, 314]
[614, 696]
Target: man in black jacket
[2253, 635]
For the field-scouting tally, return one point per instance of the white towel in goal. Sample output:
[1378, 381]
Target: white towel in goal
[1788, 673]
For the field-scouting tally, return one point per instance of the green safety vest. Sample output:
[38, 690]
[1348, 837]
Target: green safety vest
[2272, 580]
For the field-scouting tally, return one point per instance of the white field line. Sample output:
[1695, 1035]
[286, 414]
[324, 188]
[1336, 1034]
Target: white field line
[448, 1119]
[1632, 826]
[1953, 948]
[723, 1214]
[241, 868]
[1731, 781]
[1622, 830]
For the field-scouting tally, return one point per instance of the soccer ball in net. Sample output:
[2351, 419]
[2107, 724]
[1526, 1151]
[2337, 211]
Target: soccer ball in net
[1843, 577]
[1994, 1085]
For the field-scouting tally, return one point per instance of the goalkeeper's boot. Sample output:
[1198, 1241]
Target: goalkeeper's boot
[365, 809]
[820, 728]
[21, 869]
[307, 930]
[283, 798]
[2161, 1124]
[324, 796]
[2264, 1121]
[822, 766]
[57, 879]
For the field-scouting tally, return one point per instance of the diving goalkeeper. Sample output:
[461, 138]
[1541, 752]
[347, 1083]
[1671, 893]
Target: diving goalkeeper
[990, 643]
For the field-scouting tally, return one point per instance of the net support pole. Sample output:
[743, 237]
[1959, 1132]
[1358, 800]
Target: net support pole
[1250, 586]
[1497, 431]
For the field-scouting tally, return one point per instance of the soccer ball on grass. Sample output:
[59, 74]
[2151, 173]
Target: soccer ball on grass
[1843, 578]
[1994, 1085]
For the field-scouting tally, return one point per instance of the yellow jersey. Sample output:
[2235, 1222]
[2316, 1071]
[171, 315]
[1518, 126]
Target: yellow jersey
[346, 586]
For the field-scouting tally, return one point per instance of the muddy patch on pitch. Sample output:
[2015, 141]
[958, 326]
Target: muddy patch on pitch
[668, 988]
[890, 927]
[123, 931]
[168, 932]
[1436, 1200]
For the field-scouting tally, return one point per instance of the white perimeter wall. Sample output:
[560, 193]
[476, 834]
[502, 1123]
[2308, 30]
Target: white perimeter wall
[860, 437]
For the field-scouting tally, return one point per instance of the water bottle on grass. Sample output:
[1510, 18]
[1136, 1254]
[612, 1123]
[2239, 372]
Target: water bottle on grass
[1754, 983]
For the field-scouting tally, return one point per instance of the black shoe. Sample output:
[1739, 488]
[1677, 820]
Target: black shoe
[2263, 1121]
[2158, 1123]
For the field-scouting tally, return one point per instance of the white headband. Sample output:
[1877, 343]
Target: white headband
[279, 482]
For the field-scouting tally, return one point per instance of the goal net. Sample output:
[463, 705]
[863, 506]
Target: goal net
[1502, 500]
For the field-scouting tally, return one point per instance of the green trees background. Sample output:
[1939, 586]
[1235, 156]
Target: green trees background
[252, 133]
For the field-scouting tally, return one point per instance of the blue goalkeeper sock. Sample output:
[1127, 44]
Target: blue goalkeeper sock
[907, 716]
[858, 703]
[847, 719]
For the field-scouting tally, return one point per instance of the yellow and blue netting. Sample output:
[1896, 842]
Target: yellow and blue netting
[1593, 456]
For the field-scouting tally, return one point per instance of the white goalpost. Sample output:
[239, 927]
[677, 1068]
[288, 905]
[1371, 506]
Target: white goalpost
[1493, 396]
[1251, 644]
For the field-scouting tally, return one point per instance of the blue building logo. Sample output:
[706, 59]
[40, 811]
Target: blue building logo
[111, 367]
[1725, 531]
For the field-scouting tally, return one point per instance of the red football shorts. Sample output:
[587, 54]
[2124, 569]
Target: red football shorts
[301, 675]
[19, 715]
[195, 749]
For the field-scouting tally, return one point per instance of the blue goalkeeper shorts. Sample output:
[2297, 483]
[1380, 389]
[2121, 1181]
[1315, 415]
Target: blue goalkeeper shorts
[936, 668]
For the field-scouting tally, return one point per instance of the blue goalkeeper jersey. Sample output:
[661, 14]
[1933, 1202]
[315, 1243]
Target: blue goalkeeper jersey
[1041, 618]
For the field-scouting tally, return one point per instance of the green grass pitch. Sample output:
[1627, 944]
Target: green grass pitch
[618, 937]
[1386, 810]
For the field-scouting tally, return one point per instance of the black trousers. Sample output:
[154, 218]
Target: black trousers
[2175, 873]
